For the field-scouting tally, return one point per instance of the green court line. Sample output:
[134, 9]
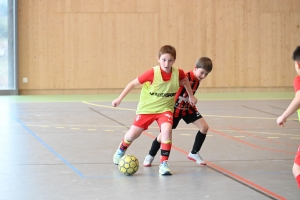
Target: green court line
[135, 97]
[63, 98]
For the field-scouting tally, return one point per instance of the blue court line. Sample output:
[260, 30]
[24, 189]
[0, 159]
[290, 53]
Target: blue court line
[50, 149]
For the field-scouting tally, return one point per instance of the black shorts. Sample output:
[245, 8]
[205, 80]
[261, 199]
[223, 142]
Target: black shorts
[188, 118]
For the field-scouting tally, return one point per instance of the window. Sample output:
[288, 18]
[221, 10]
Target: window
[8, 46]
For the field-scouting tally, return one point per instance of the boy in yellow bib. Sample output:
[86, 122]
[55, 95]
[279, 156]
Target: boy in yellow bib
[160, 85]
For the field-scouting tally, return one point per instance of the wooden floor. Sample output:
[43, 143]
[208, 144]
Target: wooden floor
[62, 147]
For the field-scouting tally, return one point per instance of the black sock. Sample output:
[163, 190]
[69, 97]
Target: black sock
[200, 137]
[154, 148]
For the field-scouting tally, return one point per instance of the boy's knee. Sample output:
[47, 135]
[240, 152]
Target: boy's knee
[204, 129]
[296, 170]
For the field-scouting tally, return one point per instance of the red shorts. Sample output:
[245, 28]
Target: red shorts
[145, 120]
[297, 158]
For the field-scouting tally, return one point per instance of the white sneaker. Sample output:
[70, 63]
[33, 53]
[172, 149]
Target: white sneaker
[197, 158]
[148, 160]
[164, 168]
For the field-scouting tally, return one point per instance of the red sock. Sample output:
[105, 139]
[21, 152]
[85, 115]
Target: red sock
[298, 180]
[165, 151]
[124, 145]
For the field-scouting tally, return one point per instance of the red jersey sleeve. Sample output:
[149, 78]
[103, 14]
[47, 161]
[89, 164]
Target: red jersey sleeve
[297, 83]
[181, 74]
[146, 76]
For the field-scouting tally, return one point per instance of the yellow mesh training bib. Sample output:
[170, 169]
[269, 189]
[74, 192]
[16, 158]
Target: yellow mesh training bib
[159, 96]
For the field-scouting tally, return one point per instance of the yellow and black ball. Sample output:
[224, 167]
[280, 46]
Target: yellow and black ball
[128, 164]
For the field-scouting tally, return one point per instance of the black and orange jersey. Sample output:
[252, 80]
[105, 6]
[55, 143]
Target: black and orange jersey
[182, 105]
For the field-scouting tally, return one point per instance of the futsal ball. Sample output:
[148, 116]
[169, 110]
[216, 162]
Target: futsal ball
[128, 164]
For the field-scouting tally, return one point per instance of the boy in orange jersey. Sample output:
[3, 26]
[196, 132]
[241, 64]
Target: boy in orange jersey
[293, 107]
[160, 85]
[189, 113]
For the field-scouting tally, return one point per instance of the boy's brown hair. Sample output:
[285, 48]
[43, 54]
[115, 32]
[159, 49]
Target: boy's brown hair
[167, 49]
[204, 63]
[296, 54]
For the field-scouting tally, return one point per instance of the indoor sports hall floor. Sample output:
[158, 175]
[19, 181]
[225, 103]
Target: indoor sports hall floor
[61, 147]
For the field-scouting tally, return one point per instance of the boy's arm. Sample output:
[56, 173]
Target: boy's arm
[126, 90]
[293, 107]
[183, 81]
[192, 99]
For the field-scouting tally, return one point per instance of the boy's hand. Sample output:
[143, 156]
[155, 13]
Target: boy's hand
[193, 100]
[116, 102]
[281, 121]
